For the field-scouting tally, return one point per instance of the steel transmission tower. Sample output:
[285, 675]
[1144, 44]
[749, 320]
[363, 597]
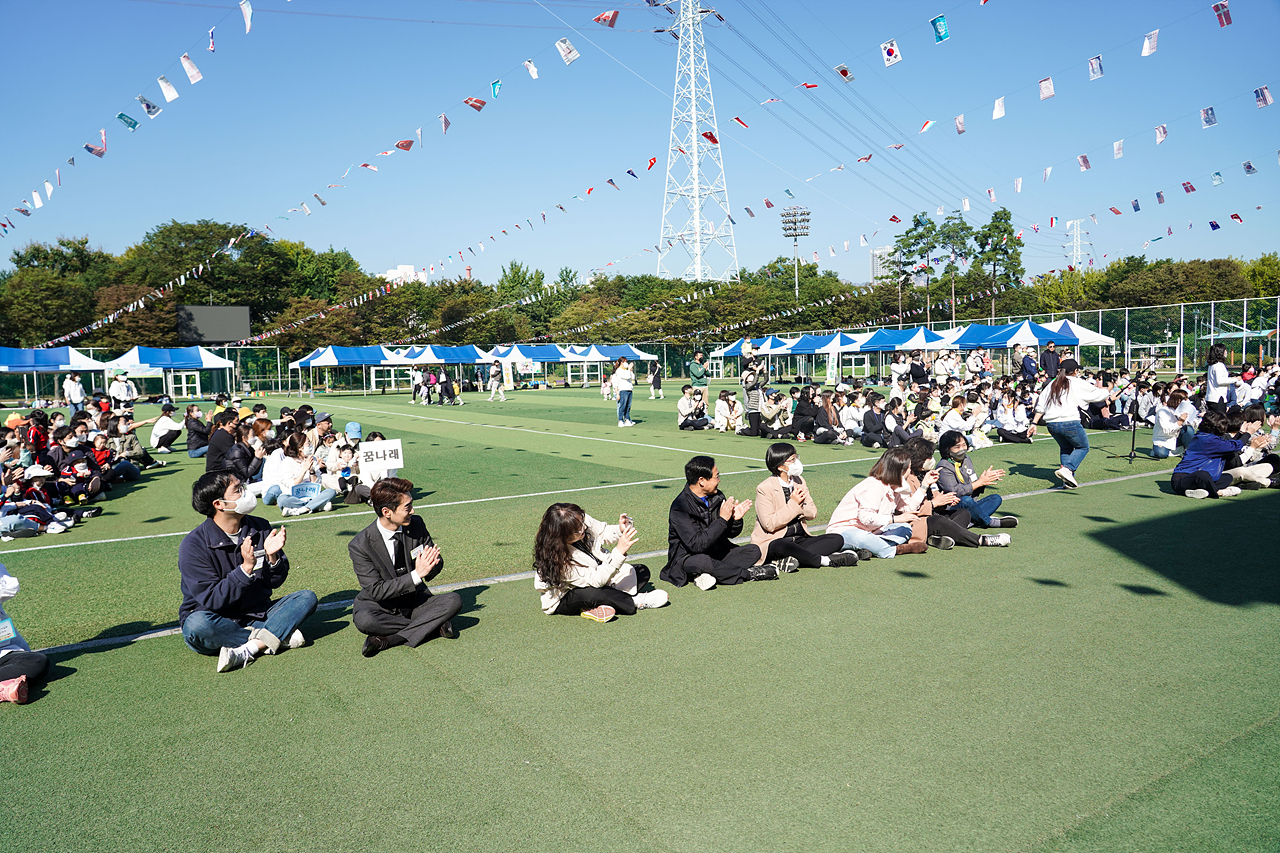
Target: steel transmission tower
[1074, 246]
[697, 233]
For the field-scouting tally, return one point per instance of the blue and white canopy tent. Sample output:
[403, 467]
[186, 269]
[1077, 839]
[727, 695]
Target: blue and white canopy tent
[180, 367]
[40, 361]
[371, 357]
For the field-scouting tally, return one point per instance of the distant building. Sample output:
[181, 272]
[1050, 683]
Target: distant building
[404, 272]
[883, 261]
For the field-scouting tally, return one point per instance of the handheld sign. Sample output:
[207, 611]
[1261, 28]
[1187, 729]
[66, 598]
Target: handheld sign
[380, 455]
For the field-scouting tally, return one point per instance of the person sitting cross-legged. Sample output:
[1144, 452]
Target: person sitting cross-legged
[957, 476]
[393, 558]
[230, 565]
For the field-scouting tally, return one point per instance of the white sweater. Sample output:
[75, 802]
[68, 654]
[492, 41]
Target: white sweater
[1165, 432]
[607, 569]
[624, 379]
[1079, 394]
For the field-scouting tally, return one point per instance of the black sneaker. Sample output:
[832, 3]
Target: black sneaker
[767, 572]
[1249, 485]
[844, 558]
[786, 565]
[942, 543]
[863, 555]
[91, 512]
[1004, 521]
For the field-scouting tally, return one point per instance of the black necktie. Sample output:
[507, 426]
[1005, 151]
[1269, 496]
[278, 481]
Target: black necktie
[402, 551]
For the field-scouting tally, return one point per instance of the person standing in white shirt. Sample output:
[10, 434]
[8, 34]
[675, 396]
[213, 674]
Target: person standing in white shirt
[73, 392]
[1059, 407]
[1218, 381]
[624, 380]
[495, 382]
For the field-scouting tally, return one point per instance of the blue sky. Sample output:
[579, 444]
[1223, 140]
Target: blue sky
[319, 86]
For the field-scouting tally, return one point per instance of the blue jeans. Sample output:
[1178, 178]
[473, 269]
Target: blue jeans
[1072, 442]
[311, 495]
[126, 470]
[196, 453]
[208, 633]
[624, 406]
[76, 407]
[14, 521]
[269, 497]
[982, 508]
[883, 545]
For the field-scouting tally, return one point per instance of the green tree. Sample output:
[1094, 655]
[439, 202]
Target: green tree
[1263, 272]
[37, 305]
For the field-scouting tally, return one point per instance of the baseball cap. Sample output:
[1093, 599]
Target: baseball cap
[323, 416]
[168, 407]
[353, 430]
[1068, 365]
[16, 420]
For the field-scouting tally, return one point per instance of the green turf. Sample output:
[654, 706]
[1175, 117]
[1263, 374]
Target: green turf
[1111, 682]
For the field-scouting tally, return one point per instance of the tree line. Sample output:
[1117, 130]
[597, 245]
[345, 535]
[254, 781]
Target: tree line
[56, 288]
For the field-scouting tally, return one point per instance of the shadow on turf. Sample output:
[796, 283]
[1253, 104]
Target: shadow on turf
[1186, 547]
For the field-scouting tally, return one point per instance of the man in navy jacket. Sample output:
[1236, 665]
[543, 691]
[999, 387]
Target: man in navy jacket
[230, 565]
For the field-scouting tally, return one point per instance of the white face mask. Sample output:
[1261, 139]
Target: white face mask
[72, 441]
[271, 433]
[795, 469]
[245, 504]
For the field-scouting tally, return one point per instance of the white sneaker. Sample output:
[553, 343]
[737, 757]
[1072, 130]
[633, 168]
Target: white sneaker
[296, 640]
[293, 510]
[631, 422]
[229, 658]
[61, 516]
[161, 450]
[328, 506]
[1068, 479]
[1198, 494]
[622, 424]
[704, 581]
[1229, 492]
[653, 599]
[994, 540]
[56, 527]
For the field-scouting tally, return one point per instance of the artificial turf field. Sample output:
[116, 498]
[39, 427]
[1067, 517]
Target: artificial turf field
[1110, 682]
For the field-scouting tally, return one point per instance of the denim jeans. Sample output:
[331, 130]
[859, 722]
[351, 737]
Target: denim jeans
[270, 495]
[311, 495]
[126, 470]
[883, 545]
[624, 406]
[1072, 442]
[982, 508]
[14, 521]
[207, 632]
[76, 407]
[1184, 438]
[196, 453]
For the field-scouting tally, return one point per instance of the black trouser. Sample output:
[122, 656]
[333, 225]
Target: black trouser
[694, 423]
[900, 436]
[588, 597]
[805, 425]
[1220, 406]
[1013, 437]
[1184, 481]
[870, 438]
[15, 664]
[166, 440]
[422, 623]
[956, 526]
[753, 425]
[827, 436]
[809, 550]
[730, 569]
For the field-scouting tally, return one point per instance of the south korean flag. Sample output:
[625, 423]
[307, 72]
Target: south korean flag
[890, 53]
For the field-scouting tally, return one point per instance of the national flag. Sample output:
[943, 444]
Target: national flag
[95, 150]
[608, 19]
[862, 241]
[444, 124]
[991, 194]
[193, 73]
[1115, 210]
[1047, 171]
[1095, 67]
[369, 167]
[771, 101]
[147, 107]
[807, 86]
[895, 147]
[846, 245]
[1083, 160]
[612, 184]
[22, 210]
[1207, 118]
[889, 53]
[1262, 96]
[210, 48]
[1053, 222]
[866, 159]
[1135, 205]
[475, 103]
[790, 194]
[1236, 216]
[404, 144]
[589, 189]
[768, 203]
[1224, 14]
[940, 33]
[1117, 149]
[1213, 226]
[567, 51]
[1035, 226]
[895, 218]
[652, 160]
[1162, 133]
[36, 195]
[384, 153]
[1149, 42]
[167, 89]
[246, 9]
[843, 71]
[998, 110]
[317, 198]
[749, 213]
[531, 68]
[964, 204]
[740, 121]
[926, 125]
[1018, 237]
[1169, 229]
[1046, 88]
[1159, 198]
[1217, 178]
[1017, 185]
[494, 87]
[710, 137]
[1248, 167]
[1188, 187]
[128, 122]
[58, 174]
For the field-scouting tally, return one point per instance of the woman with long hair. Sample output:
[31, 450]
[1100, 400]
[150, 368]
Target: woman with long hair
[1058, 406]
[874, 516]
[783, 508]
[624, 379]
[197, 432]
[804, 418]
[1175, 424]
[577, 577]
[1217, 379]
[728, 411]
[827, 429]
[300, 493]
[897, 424]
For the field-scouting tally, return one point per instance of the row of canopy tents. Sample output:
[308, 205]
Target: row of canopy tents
[969, 337]
[384, 356]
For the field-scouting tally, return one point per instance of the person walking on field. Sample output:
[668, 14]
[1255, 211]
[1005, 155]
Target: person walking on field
[624, 379]
[495, 382]
[655, 380]
[1059, 407]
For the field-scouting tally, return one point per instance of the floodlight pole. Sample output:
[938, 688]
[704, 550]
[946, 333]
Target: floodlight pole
[795, 224]
[795, 247]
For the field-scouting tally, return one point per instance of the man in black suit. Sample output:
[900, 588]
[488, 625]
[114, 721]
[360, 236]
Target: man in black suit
[394, 558]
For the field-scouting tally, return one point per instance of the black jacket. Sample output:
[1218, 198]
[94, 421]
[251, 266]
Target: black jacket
[241, 459]
[197, 433]
[382, 585]
[873, 425]
[209, 563]
[220, 441]
[696, 528]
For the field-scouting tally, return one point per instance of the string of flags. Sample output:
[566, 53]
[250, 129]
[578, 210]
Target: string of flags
[149, 108]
